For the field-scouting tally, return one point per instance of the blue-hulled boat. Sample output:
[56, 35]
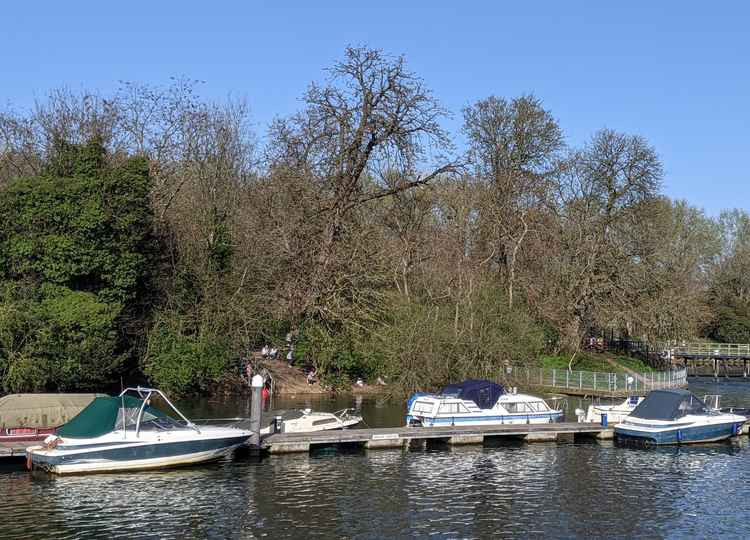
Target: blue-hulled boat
[676, 417]
[127, 433]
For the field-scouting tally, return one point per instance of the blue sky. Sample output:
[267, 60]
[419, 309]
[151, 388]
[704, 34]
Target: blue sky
[677, 73]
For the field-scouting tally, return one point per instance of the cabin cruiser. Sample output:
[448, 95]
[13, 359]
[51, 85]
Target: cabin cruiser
[26, 418]
[128, 433]
[307, 420]
[478, 402]
[614, 413]
[677, 417]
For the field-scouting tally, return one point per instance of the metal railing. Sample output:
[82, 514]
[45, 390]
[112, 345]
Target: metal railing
[562, 379]
[707, 350]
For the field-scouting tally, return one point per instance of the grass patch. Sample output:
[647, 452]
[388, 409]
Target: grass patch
[595, 362]
[636, 364]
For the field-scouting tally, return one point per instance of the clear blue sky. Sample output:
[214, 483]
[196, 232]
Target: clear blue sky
[677, 73]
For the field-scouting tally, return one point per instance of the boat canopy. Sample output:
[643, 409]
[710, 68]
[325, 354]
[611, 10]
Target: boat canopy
[105, 414]
[484, 393]
[669, 405]
[41, 410]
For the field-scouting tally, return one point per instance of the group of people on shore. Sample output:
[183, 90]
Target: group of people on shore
[271, 352]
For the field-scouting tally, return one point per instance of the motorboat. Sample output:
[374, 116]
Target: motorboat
[306, 420]
[26, 418]
[478, 402]
[613, 412]
[676, 417]
[129, 433]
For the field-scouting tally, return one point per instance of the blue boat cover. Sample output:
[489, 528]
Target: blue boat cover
[484, 393]
[669, 405]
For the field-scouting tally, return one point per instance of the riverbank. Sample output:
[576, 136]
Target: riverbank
[293, 381]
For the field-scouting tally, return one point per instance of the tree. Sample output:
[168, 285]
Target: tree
[513, 146]
[363, 136]
[587, 242]
[75, 255]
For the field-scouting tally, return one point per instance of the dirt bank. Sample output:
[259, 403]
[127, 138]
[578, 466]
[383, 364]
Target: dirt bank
[293, 381]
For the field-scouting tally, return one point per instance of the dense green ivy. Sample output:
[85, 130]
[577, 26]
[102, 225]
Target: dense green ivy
[73, 259]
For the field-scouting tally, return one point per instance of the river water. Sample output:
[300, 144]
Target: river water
[587, 490]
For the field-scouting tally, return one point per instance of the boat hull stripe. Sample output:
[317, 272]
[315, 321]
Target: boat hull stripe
[147, 450]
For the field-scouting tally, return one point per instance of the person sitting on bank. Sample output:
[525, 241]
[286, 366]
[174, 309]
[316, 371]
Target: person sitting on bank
[311, 376]
[264, 351]
[273, 353]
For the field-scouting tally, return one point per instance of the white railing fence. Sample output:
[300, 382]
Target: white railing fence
[597, 381]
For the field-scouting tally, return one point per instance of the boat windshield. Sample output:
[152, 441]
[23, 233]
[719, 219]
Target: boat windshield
[152, 419]
[669, 405]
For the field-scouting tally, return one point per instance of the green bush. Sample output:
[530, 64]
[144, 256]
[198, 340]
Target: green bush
[182, 364]
[56, 338]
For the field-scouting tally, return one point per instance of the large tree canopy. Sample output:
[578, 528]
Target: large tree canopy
[75, 253]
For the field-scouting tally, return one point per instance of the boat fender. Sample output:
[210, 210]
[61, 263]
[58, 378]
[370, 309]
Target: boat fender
[735, 429]
[679, 435]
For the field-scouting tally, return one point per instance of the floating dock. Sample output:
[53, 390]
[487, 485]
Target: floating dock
[403, 437]
[15, 450]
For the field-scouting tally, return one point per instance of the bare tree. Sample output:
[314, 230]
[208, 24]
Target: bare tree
[364, 135]
[513, 146]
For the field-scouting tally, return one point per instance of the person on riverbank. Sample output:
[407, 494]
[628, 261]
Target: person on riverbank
[264, 351]
[249, 371]
[290, 357]
[273, 353]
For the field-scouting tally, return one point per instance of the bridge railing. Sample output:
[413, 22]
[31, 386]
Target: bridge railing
[707, 350]
[593, 381]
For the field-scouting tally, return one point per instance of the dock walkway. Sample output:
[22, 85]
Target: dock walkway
[281, 443]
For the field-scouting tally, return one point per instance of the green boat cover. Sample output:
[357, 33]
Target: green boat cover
[105, 414]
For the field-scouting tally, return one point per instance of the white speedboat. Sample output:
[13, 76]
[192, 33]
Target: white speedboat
[307, 420]
[478, 402]
[615, 412]
[127, 433]
[676, 417]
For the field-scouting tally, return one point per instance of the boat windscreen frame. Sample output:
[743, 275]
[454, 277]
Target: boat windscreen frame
[149, 392]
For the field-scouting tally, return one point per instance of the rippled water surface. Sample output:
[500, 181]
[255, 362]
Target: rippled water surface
[511, 490]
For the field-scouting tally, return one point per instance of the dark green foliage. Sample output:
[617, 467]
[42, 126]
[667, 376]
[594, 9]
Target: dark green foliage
[74, 253]
[55, 338]
[86, 231]
[731, 324]
[181, 364]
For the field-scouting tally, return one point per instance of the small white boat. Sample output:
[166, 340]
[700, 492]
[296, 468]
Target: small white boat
[615, 412]
[307, 420]
[126, 433]
[478, 402]
[676, 417]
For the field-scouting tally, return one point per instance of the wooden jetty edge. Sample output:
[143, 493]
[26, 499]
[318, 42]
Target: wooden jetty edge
[283, 443]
